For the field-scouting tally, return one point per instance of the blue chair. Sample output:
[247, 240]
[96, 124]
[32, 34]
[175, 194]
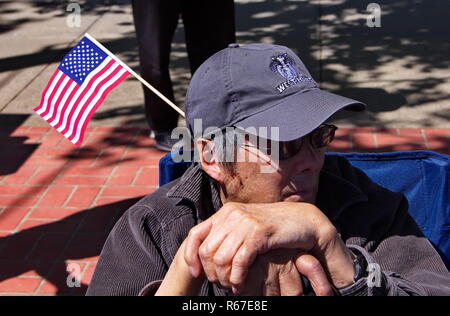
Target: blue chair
[422, 176]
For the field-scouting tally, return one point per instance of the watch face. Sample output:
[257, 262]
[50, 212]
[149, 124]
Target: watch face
[360, 268]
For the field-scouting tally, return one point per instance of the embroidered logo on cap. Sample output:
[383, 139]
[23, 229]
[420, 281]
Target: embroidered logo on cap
[286, 67]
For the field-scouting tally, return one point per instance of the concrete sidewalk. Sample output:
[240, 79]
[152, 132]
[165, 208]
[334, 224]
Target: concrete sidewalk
[400, 70]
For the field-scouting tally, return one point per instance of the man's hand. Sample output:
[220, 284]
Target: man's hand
[226, 245]
[278, 273]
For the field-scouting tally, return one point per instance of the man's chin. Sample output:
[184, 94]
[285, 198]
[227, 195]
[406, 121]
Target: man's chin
[303, 197]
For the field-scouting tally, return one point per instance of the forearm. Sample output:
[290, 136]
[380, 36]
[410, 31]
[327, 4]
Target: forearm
[178, 280]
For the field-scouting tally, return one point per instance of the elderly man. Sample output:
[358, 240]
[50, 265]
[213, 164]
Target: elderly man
[264, 208]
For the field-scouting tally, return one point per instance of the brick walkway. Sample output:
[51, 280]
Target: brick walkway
[58, 203]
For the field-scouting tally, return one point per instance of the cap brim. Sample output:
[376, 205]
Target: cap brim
[299, 114]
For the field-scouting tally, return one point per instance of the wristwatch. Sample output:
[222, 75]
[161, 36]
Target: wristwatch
[360, 264]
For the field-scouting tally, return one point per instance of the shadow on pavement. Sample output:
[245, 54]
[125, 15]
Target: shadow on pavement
[14, 151]
[45, 248]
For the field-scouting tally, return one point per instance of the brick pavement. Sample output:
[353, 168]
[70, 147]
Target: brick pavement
[58, 202]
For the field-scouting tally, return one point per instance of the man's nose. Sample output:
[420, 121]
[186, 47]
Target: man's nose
[308, 159]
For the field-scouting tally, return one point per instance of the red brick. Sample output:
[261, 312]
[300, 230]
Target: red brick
[86, 245]
[18, 129]
[364, 141]
[21, 176]
[52, 213]
[56, 196]
[140, 162]
[81, 180]
[410, 131]
[45, 176]
[387, 131]
[20, 285]
[110, 156]
[439, 143]
[19, 245]
[128, 192]
[353, 130]
[383, 139]
[341, 144]
[83, 197]
[10, 218]
[47, 161]
[52, 151]
[10, 269]
[85, 157]
[400, 147]
[437, 131]
[51, 141]
[88, 171]
[56, 283]
[87, 278]
[20, 190]
[123, 176]
[99, 220]
[148, 176]
[18, 200]
[108, 200]
[49, 226]
[39, 129]
[49, 247]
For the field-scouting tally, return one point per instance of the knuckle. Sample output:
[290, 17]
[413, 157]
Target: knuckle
[220, 259]
[311, 264]
[204, 252]
[193, 233]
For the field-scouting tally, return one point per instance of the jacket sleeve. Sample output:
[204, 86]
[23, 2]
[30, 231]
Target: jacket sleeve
[402, 263]
[131, 258]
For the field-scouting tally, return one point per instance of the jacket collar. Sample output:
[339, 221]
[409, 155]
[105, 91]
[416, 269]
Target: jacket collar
[198, 188]
[338, 190]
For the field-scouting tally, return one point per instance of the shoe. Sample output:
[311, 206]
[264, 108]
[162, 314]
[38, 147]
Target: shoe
[164, 141]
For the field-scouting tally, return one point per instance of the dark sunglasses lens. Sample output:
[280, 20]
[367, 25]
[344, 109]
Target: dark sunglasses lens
[323, 136]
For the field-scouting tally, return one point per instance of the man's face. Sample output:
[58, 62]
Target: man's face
[294, 180]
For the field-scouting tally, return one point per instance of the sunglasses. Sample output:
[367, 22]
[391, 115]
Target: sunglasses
[319, 139]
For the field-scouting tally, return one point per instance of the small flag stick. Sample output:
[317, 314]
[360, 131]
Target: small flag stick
[145, 83]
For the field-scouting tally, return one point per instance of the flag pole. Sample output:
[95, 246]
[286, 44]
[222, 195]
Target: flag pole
[159, 94]
[132, 72]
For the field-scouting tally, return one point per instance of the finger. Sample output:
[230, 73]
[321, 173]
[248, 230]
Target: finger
[223, 259]
[193, 242]
[290, 282]
[311, 268]
[255, 282]
[272, 282]
[243, 259]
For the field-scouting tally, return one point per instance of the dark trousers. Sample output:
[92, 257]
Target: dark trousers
[209, 27]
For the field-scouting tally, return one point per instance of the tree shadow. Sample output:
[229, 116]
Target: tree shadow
[15, 152]
[45, 249]
[54, 9]
[350, 58]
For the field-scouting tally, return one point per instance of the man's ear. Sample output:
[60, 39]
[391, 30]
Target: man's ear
[209, 162]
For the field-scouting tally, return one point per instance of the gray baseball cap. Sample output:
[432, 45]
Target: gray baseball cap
[260, 85]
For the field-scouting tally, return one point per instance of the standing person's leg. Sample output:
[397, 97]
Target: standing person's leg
[156, 22]
[210, 27]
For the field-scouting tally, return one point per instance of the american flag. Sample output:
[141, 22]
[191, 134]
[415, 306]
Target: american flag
[79, 86]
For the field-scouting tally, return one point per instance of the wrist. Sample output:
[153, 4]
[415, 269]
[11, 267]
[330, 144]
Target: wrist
[179, 280]
[336, 258]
